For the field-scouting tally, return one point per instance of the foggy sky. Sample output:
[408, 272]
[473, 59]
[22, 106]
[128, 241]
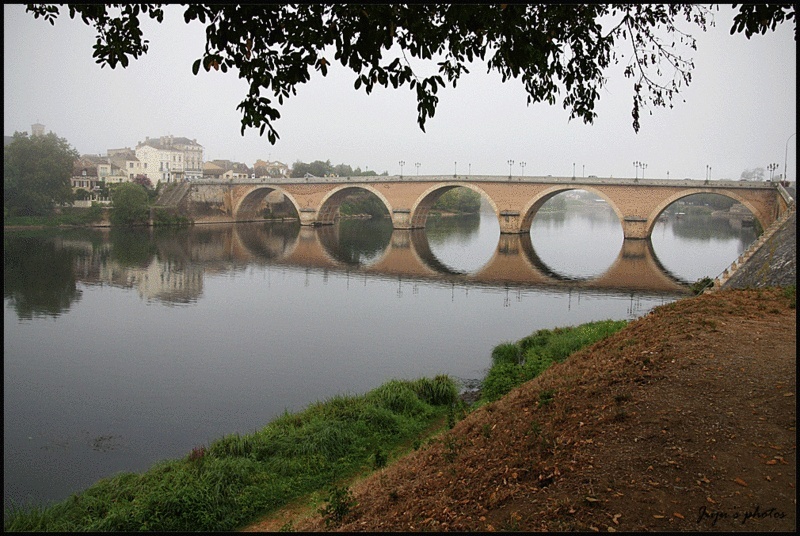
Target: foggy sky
[738, 114]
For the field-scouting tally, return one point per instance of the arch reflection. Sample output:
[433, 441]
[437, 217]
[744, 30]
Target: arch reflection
[170, 266]
[407, 254]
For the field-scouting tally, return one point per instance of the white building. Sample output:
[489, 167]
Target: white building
[170, 159]
[125, 164]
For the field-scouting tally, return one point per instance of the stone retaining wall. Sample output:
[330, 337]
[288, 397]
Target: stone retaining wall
[769, 261]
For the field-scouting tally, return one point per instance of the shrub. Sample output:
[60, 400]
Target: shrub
[507, 352]
[130, 205]
[340, 502]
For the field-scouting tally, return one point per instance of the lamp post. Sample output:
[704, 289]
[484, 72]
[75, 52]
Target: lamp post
[639, 165]
[573, 171]
[417, 164]
[510, 163]
[522, 165]
[785, 161]
[772, 167]
[455, 169]
[469, 169]
[583, 171]
[402, 163]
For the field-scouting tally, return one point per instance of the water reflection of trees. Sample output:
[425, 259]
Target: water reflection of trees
[462, 227]
[38, 276]
[132, 247]
[701, 227]
[356, 242]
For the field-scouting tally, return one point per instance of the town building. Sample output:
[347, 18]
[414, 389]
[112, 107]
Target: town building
[170, 159]
[227, 170]
[126, 163]
[270, 169]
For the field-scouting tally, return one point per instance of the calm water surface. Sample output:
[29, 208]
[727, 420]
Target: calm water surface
[123, 348]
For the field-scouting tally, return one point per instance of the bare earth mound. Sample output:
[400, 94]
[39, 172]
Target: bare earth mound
[684, 420]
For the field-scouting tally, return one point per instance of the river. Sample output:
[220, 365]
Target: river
[122, 348]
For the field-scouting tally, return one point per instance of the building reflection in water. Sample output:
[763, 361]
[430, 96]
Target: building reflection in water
[169, 265]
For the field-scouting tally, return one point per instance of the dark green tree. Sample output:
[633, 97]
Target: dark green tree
[130, 204]
[558, 51]
[36, 173]
[459, 200]
[317, 168]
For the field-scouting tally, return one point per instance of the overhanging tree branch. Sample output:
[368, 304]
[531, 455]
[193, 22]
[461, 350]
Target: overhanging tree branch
[549, 48]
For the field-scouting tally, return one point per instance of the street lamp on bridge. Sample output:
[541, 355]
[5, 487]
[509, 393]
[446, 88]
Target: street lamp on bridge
[510, 163]
[402, 163]
[455, 169]
[786, 162]
[638, 165]
[522, 165]
[772, 167]
[417, 164]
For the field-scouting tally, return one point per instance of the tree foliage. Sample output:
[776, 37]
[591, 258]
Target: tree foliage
[459, 200]
[318, 168]
[36, 173]
[143, 180]
[130, 204]
[558, 51]
[755, 174]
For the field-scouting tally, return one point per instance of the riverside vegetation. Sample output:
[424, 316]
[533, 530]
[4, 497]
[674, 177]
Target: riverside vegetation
[240, 478]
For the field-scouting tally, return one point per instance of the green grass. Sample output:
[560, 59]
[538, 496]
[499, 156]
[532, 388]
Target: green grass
[68, 216]
[516, 363]
[239, 478]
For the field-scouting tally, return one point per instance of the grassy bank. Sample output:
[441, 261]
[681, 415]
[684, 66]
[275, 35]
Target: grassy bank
[238, 478]
[515, 363]
[66, 216]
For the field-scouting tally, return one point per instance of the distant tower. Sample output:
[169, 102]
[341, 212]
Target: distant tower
[37, 129]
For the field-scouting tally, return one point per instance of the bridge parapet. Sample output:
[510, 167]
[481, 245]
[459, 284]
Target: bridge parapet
[571, 181]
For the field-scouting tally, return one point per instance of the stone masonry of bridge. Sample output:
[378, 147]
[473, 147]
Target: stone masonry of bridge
[515, 200]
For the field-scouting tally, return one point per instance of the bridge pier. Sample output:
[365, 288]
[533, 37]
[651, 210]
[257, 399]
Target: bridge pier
[401, 219]
[634, 228]
[308, 216]
[511, 223]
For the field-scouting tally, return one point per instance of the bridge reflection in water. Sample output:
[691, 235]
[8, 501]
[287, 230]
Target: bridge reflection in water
[408, 255]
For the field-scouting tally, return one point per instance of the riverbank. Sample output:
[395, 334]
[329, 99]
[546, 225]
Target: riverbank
[683, 420]
[226, 483]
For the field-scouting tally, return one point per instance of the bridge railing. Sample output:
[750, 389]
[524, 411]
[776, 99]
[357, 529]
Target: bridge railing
[696, 183]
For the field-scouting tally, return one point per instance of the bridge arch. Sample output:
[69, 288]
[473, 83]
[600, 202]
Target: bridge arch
[422, 206]
[249, 204]
[661, 207]
[532, 207]
[329, 206]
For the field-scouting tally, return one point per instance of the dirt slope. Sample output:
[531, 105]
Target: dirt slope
[685, 420]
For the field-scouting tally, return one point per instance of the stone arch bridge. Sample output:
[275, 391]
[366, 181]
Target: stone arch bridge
[515, 200]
